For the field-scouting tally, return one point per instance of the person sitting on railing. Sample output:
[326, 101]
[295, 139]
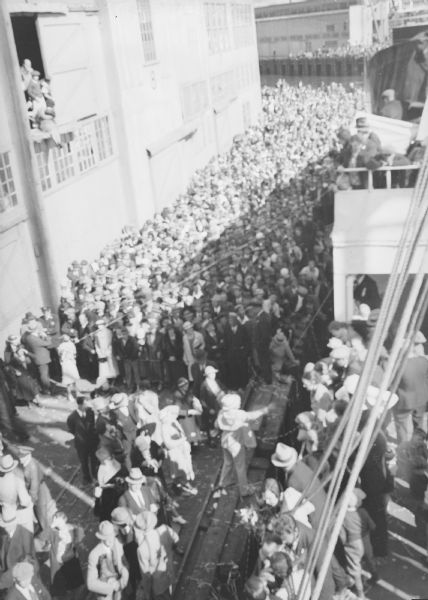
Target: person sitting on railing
[391, 107]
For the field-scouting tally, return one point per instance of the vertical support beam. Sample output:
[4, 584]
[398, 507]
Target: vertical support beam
[27, 164]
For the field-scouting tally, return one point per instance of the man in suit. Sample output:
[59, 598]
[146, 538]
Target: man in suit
[262, 340]
[237, 351]
[119, 406]
[81, 423]
[16, 544]
[138, 496]
[126, 349]
[299, 476]
[38, 343]
[412, 393]
[366, 291]
[108, 572]
[26, 584]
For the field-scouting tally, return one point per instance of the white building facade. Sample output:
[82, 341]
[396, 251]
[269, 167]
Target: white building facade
[146, 92]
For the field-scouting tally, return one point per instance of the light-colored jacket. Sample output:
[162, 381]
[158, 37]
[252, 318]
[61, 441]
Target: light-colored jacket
[102, 572]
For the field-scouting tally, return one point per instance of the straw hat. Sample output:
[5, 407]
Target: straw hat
[135, 476]
[210, 370]
[231, 401]
[356, 497]
[149, 401]
[7, 463]
[105, 531]
[230, 419]
[284, 456]
[146, 520]
[23, 571]
[340, 352]
[121, 516]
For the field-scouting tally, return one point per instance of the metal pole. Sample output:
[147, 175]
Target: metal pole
[27, 164]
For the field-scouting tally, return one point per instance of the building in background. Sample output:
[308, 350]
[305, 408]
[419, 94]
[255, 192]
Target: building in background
[145, 93]
[309, 26]
[409, 18]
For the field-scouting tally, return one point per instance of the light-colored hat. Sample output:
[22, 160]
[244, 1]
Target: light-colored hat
[121, 516]
[118, 401]
[231, 401]
[340, 352]
[387, 398]
[356, 497]
[342, 394]
[7, 463]
[24, 451]
[99, 403]
[135, 476]
[305, 419]
[210, 370]
[105, 531]
[350, 383]
[420, 338]
[13, 339]
[187, 325]
[146, 520]
[169, 413]
[23, 571]
[284, 456]
[334, 342]
[291, 497]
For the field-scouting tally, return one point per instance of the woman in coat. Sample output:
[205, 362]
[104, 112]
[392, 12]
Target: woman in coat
[25, 387]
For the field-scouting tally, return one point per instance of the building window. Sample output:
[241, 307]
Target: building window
[217, 27]
[223, 86]
[194, 99]
[146, 28]
[8, 198]
[63, 162]
[102, 133]
[242, 22]
[42, 156]
[330, 28]
[85, 151]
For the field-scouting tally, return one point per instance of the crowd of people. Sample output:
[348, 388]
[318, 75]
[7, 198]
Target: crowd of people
[154, 344]
[354, 51]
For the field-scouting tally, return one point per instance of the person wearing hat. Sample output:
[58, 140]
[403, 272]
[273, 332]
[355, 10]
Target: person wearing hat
[236, 437]
[81, 424]
[37, 343]
[295, 473]
[67, 358]
[107, 364]
[126, 350]
[262, 340]
[171, 346]
[110, 479]
[355, 538]
[409, 412]
[26, 584]
[190, 409]
[122, 419]
[192, 341]
[155, 556]
[43, 504]
[16, 543]
[370, 138]
[13, 492]
[17, 361]
[237, 350]
[210, 397]
[390, 106]
[123, 521]
[108, 572]
[178, 450]
[66, 571]
[138, 496]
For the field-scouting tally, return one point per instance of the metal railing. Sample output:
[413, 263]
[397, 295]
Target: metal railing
[367, 183]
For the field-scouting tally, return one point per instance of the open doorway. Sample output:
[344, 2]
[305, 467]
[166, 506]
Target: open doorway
[27, 41]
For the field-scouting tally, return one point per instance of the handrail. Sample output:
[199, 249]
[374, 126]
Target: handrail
[386, 169]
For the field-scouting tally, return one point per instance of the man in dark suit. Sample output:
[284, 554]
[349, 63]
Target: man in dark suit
[237, 351]
[366, 292]
[38, 343]
[126, 349]
[81, 423]
[262, 340]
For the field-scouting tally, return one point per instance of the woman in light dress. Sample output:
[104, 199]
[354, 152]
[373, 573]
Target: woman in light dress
[67, 358]
[103, 346]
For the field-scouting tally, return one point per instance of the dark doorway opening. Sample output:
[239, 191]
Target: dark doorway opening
[27, 41]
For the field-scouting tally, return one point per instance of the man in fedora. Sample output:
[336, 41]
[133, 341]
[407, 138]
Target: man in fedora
[119, 406]
[236, 436]
[13, 492]
[81, 424]
[123, 521]
[138, 496]
[107, 567]
[16, 543]
[296, 474]
[38, 345]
